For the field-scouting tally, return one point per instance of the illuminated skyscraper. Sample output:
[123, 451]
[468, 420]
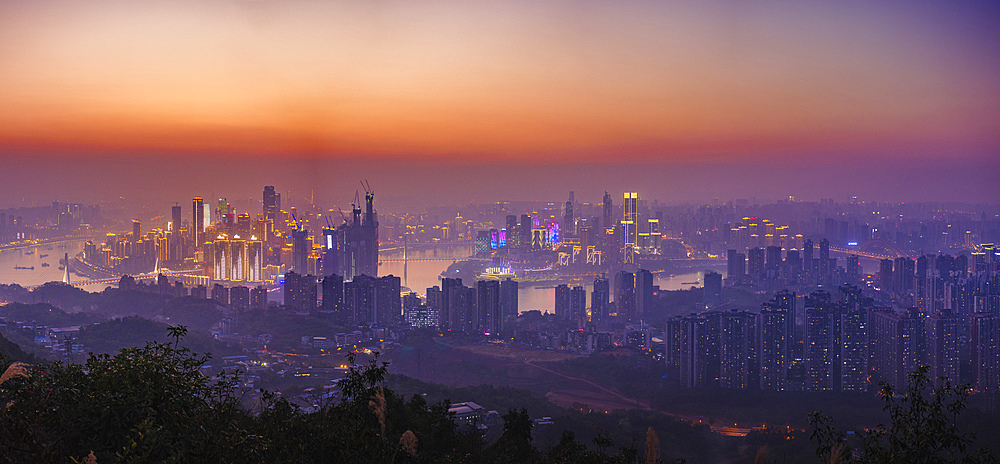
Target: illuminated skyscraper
[630, 219]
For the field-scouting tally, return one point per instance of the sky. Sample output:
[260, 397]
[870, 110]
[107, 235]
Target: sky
[690, 100]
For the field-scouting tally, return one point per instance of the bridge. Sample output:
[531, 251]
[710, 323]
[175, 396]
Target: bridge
[115, 280]
[417, 260]
[873, 249]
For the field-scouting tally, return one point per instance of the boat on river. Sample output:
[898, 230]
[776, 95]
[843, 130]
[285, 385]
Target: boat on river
[32, 268]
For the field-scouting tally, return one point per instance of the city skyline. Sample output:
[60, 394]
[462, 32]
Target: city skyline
[892, 101]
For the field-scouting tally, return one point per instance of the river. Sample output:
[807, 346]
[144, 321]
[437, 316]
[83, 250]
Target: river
[426, 265]
[33, 257]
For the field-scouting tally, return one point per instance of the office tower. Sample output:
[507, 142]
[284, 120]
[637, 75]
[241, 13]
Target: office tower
[331, 252]
[885, 275]
[853, 348]
[360, 297]
[625, 295]
[198, 221]
[568, 228]
[630, 219]
[713, 288]
[524, 231]
[301, 247]
[508, 303]
[819, 341]
[359, 242]
[775, 339]
[643, 293]
[175, 219]
[488, 312]
[388, 302]
[272, 202]
[562, 301]
[599, 301]
[333, 296]
[755, 264]
[737, 352]
[513, 233]
[630, 207]
[136, 230]
[608, 211]
[300, 292]
[943, 346]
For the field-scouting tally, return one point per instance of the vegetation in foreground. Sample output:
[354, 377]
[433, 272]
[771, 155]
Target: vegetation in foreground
[152, 404]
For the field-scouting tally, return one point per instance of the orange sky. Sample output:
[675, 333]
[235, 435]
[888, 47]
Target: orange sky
[559, 81]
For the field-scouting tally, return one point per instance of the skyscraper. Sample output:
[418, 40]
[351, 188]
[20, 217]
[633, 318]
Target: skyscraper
[488, 310]
[736, 267]
[175, 218]
[737, 353]
[625, 295]
[643, 293]
[359, 241]
[562, 301]
[606, 220]
[301, 247]
[774, 344]
[198, 221]
[272, 202]
[819, 341]
[713, 288]
[578, 305]
[508, 302]
[599, 300]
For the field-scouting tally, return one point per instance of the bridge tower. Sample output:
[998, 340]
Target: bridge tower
[66, 269]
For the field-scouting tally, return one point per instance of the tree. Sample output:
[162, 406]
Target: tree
[922, 428]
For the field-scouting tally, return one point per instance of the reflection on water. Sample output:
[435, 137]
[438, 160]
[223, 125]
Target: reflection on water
[424, 266]
[35, 257]
[423, 274]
